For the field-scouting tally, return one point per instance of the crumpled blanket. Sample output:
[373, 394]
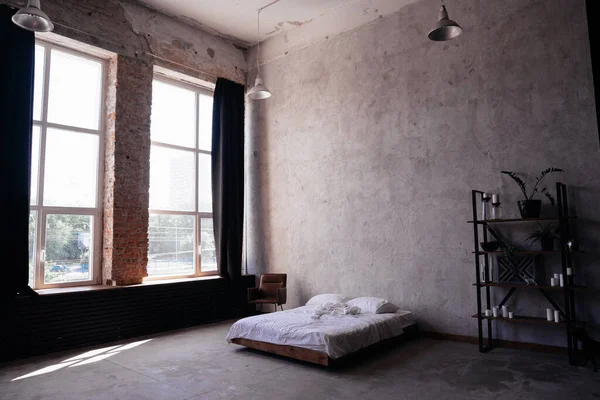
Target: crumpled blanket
[334, 310]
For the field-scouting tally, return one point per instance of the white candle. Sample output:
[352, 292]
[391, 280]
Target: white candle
[562, 281]
[549, 315]
[552, 281]
[504, 312]
[511, 315]
[495, 311]
[569, 271]
[488, 313]
[495, 199]
[556, 316]
[556, 276]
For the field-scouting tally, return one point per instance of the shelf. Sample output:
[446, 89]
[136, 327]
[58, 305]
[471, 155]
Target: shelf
[526, 252]
[527, 257]
[500, 221]
[530, 320]
[523, 286]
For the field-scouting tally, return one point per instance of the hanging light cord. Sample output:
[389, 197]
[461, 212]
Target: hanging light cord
[258, 43]
[258, 35]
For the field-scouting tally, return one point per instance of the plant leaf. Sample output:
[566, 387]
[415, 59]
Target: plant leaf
[542, 175]
[518, 180]
[549, 196]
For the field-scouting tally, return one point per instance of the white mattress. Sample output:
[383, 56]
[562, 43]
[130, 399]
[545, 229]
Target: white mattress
[336, 335]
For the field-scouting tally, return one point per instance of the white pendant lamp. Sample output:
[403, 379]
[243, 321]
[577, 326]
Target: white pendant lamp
[259, 91]
[445, 29]
[33, 18]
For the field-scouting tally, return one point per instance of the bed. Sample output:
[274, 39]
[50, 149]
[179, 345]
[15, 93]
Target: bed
[323, 340]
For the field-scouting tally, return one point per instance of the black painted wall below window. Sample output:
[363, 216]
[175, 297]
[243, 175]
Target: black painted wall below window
[53, 322]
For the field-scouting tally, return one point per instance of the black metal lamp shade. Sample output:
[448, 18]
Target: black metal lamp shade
[445, 29]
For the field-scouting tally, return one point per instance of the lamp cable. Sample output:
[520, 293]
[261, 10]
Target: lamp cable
[258, 42]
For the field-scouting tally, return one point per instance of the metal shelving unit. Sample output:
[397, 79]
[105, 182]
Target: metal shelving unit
[568, 311]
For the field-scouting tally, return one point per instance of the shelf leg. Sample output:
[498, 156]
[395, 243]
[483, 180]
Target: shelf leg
[489, 321]
[477, 271]
[563, 213]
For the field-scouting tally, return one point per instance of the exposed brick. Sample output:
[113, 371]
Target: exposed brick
[127, 171]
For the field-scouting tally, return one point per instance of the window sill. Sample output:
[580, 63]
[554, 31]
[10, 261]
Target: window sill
[92, 288]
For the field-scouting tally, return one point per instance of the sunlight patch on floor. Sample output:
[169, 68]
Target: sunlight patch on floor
[88, 357]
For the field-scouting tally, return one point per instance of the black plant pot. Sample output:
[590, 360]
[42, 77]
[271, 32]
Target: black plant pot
[530, 208]
[547, 243]
[490, 246]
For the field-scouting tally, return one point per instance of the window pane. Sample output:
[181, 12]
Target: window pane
[173, 118]
[204, 183]
[172, 177]
[71, 169]
[205, 105]
[35, 164]
[32, 231]
[171, 245]
[208, 254]
[75, 88]
[68, 248]
[38, 82]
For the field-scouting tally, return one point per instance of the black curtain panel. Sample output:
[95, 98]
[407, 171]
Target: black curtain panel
[228, 176]
[17, 47]
[593, 12]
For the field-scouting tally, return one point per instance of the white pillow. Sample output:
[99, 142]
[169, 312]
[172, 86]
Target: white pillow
[375, 305]
[326, 298]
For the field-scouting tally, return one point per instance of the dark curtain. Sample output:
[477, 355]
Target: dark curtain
[593, 12]
[17, 47]
[228, 176]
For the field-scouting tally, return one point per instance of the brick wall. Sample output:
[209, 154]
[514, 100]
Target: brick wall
[109, 171]
[127, 171]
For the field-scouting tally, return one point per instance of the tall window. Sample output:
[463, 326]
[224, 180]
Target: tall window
[181, 239]
[66, 185]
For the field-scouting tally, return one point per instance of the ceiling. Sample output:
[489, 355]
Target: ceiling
[236, 19]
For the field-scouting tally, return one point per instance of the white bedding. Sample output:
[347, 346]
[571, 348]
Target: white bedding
[336, 334]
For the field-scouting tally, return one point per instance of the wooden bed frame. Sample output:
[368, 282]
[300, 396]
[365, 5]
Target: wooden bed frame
[319, 357]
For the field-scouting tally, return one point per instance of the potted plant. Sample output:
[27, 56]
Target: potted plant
[545, 235]
[508, 250]
[530, 207]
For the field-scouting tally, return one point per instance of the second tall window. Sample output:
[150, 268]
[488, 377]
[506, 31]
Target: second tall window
[181, 238]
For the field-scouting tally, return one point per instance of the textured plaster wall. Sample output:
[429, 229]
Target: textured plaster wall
[362, 162]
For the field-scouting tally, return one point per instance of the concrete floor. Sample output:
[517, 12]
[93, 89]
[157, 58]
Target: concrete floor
[196, 363]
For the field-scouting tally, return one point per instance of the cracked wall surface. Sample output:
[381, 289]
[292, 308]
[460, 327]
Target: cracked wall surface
[361, 164]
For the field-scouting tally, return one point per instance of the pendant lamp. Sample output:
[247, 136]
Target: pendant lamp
[259, 91]
[445, 29]
[33, 18]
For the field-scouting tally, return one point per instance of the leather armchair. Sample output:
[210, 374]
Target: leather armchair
[271, 290]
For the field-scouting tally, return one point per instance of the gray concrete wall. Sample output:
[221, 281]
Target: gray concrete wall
[362, 162]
